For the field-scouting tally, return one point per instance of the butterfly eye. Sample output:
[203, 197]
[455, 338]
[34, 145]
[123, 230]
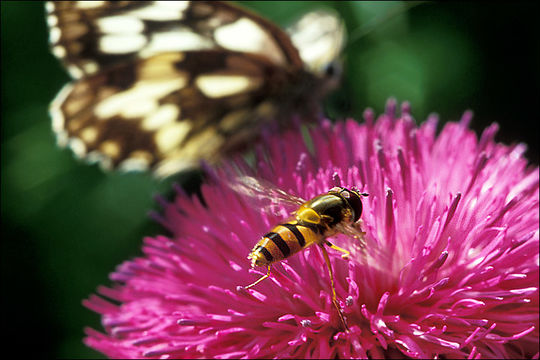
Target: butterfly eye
[333, 70]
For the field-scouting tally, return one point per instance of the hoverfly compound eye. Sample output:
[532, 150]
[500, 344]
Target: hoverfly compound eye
[354, 200]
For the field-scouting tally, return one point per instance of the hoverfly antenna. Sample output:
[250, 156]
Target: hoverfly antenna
[355, 189]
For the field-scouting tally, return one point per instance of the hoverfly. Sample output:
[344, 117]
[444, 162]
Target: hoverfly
[336, 211]
[162, 85]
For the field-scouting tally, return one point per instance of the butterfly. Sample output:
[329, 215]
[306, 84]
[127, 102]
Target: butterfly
[162, 85]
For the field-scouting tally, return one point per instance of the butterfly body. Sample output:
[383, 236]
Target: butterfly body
[164, 85]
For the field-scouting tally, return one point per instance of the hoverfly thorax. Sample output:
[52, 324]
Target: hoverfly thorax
[331, 209]
[353, 199]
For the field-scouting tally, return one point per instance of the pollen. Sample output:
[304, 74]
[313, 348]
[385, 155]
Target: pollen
[255, 258]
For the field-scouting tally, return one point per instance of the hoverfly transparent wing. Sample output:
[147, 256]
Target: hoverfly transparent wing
[265, 195]
[362, 248]
[354, 231]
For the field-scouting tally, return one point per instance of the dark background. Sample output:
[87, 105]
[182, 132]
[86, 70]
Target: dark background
[66, 225]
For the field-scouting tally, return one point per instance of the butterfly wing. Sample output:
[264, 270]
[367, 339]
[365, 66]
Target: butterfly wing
[182, 107]
[91, 35]
[162, 85]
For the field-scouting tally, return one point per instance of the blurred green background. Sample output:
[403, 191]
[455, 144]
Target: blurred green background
[66, 225]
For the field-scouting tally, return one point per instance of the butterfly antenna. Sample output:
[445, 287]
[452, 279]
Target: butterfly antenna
[362, 31]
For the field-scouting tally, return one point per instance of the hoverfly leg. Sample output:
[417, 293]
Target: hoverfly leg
[346, 253]
[358, 226]
[260, 279]
[334, 296]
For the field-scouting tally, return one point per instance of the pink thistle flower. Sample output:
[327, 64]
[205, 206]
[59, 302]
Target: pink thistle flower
[452, 231]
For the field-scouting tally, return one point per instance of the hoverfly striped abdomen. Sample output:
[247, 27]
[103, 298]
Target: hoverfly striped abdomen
[283, 241]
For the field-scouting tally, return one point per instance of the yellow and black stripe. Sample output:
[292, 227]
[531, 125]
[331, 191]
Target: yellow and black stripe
[283, 241]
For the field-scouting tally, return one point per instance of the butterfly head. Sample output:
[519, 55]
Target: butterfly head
[319, 37]
[331, 74]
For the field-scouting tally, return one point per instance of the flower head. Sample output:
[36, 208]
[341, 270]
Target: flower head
[451, 225]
